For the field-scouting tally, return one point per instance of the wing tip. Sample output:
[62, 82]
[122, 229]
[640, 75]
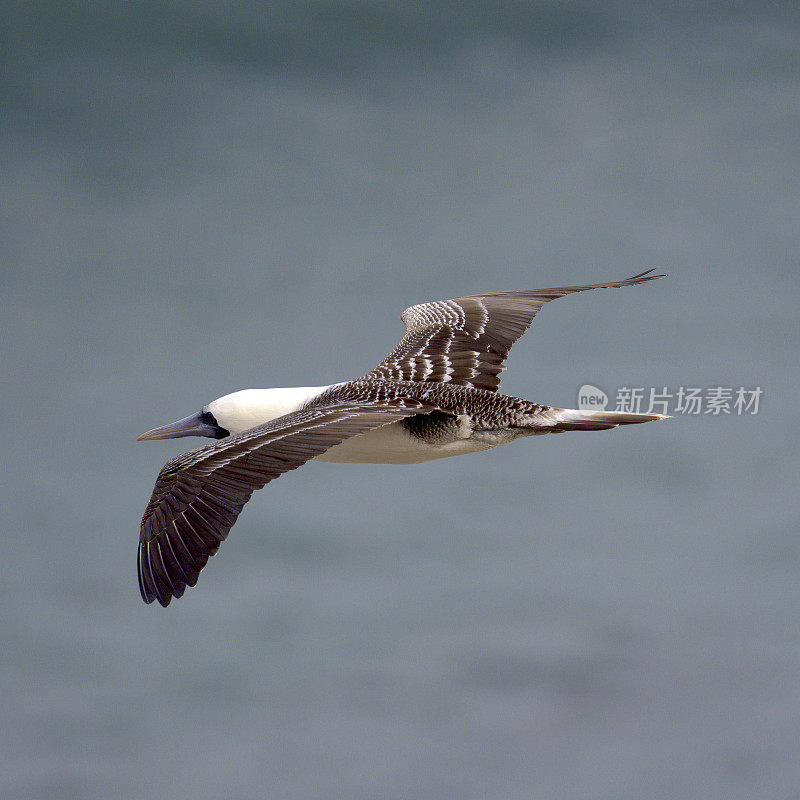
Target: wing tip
[144, 588]
[642, 277]
[155, 584]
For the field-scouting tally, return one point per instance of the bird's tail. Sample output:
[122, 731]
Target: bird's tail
[556, 420]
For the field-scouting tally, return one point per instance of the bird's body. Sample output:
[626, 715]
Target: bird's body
[434, 396]
[423, 437]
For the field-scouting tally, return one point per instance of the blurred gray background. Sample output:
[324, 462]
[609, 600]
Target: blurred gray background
[200, 197]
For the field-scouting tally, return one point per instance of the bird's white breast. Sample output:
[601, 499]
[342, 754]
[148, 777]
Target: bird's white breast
[393, 444]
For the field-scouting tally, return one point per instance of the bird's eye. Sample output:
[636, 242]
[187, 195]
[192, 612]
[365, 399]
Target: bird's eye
[208, 418]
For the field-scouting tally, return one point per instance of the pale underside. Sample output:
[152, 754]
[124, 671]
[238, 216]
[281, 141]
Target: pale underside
[393, 444]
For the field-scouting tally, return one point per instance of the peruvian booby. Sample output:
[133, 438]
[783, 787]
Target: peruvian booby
[434, 396]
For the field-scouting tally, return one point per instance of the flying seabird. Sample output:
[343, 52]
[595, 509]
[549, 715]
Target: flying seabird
[434, 396]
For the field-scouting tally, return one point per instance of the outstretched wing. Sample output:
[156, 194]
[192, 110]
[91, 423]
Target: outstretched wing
[198, 495]
[465, 341]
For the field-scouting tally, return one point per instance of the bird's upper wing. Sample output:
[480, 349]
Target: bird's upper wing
[465, 341]
[198, 495]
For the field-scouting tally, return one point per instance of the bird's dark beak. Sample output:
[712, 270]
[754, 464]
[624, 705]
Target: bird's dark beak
[193, 425]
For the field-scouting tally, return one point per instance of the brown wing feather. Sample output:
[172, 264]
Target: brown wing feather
[198, 495]
[465, 341]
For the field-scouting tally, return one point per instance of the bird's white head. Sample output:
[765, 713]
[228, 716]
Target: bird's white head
[237, 412]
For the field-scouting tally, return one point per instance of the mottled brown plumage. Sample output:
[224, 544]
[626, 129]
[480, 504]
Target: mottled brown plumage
[198, 495]
[465, 341]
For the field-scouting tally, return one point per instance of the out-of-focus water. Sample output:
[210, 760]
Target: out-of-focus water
[199, 197]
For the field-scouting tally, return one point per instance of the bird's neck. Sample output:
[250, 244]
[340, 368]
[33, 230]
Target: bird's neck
[243, 410]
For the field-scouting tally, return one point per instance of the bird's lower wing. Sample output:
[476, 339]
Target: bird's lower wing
[198, 495]
[465, 341]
